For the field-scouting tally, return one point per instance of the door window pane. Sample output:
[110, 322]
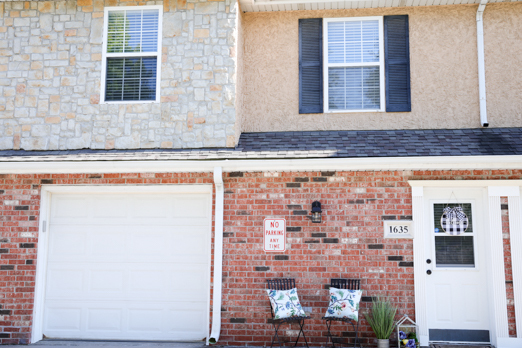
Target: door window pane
[438, 208]
[453, 250]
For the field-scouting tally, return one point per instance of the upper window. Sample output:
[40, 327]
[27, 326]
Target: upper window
[131, 54]
[354, 64]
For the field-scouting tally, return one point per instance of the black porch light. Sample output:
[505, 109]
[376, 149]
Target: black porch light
[316, 212]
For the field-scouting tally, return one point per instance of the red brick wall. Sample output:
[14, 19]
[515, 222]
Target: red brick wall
[348, 243]
[19, 213]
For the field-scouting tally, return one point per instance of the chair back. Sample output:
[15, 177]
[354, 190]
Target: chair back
[347, 284]
[281, 284]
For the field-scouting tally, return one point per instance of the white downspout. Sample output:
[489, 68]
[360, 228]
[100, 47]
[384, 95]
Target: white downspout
[481, 68]
[218, 256]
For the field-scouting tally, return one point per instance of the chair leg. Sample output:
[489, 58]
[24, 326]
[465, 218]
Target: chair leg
[356, 336]
[329, 334]
[276, 328]
[301, 324]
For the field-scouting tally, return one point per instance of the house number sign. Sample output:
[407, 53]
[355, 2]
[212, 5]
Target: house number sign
[274, 234]
[398, 229]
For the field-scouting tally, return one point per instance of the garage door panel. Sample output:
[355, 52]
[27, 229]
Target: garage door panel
[112, 281]
[62, 319]
[187, 244]
[65, 281]
[107, 246]
[105, 319]
[109, 207]
[191, 206]
[192, 318]
[133, 282]
[68, 243]
[152, 207]
[70, 207]
[124, 320]
[133, 266]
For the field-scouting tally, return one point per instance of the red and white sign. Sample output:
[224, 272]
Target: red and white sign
[274, 234]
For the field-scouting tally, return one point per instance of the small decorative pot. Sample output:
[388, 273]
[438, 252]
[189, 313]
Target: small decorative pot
[383, 343]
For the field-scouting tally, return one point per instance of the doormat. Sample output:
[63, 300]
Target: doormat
[452, 345]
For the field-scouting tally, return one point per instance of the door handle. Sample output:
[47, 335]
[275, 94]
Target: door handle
[428, 272]
[428, 261]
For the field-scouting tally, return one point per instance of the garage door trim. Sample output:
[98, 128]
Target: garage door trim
[43, 237]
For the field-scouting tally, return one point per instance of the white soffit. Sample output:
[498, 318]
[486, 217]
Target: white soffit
[300, 5]
[274, 165]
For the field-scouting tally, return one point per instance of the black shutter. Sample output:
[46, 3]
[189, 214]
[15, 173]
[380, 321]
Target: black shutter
[311, 66]
[397, 63]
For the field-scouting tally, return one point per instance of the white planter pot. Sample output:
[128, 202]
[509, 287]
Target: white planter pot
[383, 343]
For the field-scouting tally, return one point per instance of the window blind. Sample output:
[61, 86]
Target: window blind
[132, 54]
[353, 87]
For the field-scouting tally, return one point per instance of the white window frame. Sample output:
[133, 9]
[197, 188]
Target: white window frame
[380, 64]
[106, 55]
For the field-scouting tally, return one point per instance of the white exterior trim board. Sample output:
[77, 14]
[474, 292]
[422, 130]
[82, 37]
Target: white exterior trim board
[259, 165]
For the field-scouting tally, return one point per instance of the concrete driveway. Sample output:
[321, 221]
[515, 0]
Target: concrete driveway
[113, 344]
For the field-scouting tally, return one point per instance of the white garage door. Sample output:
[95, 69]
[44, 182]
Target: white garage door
[128, 266]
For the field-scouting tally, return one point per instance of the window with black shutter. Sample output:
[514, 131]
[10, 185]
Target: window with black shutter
[354, 64]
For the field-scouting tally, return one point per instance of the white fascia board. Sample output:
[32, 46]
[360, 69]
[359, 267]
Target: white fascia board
[259, 165]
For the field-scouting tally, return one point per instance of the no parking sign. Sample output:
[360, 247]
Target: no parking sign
[274, 234]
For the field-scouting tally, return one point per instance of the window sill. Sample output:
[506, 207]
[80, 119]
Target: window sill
[352, 111]
[131, 102]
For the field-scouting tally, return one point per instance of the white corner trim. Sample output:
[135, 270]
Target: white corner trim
[417, 190]
[497, 281]
[504, 191]
[419, 258]
[260, 165]
[218, 256]
[41, 265]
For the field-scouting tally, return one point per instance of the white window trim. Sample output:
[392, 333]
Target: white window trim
[382, 86]
[157, 54]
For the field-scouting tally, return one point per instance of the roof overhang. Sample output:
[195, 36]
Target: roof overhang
[302, 5]
[267, 165]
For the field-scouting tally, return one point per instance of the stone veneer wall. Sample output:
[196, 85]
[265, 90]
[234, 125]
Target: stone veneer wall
[50, 78]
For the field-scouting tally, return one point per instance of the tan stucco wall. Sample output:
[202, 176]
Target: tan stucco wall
[240, 74]
[503, 51]
[444, 78]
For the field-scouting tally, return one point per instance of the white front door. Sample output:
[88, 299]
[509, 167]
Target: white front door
[457, 294]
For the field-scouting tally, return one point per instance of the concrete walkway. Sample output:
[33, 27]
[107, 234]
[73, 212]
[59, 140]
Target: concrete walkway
[113, 344]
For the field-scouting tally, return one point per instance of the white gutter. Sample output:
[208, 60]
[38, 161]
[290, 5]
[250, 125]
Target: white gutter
[259, 165]
[218, 257]
[481, 68]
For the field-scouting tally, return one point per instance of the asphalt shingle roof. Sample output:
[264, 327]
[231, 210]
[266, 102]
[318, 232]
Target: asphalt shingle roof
[317, 144]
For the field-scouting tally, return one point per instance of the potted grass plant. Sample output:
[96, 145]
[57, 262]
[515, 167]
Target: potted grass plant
[381, 319]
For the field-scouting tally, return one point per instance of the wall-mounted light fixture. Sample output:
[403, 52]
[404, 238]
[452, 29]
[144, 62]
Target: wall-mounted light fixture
[316, 212]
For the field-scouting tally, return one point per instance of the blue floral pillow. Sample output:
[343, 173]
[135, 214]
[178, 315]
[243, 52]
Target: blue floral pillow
[285, 303]
[344, 304]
